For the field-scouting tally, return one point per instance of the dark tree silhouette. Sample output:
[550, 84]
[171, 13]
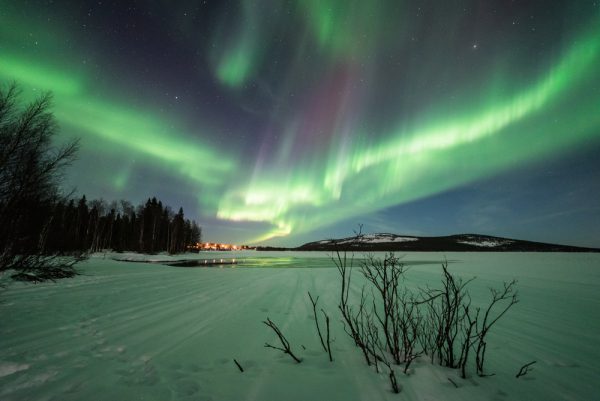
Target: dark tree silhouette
[96, 225]
[42, 233]
[31, 168]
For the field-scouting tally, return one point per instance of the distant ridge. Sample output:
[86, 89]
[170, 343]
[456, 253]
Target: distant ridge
[452, 243]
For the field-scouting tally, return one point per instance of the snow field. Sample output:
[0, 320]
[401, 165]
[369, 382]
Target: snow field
[135, 331]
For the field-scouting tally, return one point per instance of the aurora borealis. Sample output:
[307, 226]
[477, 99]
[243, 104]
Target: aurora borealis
[283, 121]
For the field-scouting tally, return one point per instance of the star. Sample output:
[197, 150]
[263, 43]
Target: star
[308, 115]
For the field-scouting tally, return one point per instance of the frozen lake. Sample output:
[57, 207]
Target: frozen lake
[138, 331]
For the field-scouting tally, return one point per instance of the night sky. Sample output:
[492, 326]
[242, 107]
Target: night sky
[280, 122]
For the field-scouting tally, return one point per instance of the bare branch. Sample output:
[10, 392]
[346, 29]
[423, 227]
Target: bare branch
[284, 342]
[239, 366]
[314, 306]
[525, 369]
[328, 337]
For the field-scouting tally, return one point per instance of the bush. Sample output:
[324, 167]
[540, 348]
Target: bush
[438, 322]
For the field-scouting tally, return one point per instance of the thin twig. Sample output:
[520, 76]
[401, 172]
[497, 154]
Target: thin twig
[314, 305]
[525, 369]
[328, 341]
[394, 382]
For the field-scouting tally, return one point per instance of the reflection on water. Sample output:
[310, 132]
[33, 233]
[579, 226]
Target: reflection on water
[289, 260]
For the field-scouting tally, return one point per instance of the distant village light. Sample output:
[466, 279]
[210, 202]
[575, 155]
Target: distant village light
[213, 246]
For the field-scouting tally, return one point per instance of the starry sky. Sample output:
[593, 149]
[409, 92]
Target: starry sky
[283, 121]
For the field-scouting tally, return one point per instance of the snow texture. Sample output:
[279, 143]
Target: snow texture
[137, 331]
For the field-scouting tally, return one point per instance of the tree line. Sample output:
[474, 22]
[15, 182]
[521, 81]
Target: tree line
[43, 233]
[96, 225]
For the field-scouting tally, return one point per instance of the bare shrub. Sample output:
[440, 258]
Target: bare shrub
[354, 319]
[385, 275]
[446, 318]
[37, 268]
[453, 328]
[501, 302]
[391, 320]
[409, 321]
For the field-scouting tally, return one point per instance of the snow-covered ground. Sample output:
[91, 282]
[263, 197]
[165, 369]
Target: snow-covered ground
[136, 331]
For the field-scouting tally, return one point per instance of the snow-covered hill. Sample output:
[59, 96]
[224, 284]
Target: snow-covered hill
[452, 243]
[383, 238]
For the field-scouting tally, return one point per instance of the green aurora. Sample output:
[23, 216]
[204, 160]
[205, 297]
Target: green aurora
[334, 155]
[380, 176]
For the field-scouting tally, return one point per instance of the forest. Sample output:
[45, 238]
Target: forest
[97, 225]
